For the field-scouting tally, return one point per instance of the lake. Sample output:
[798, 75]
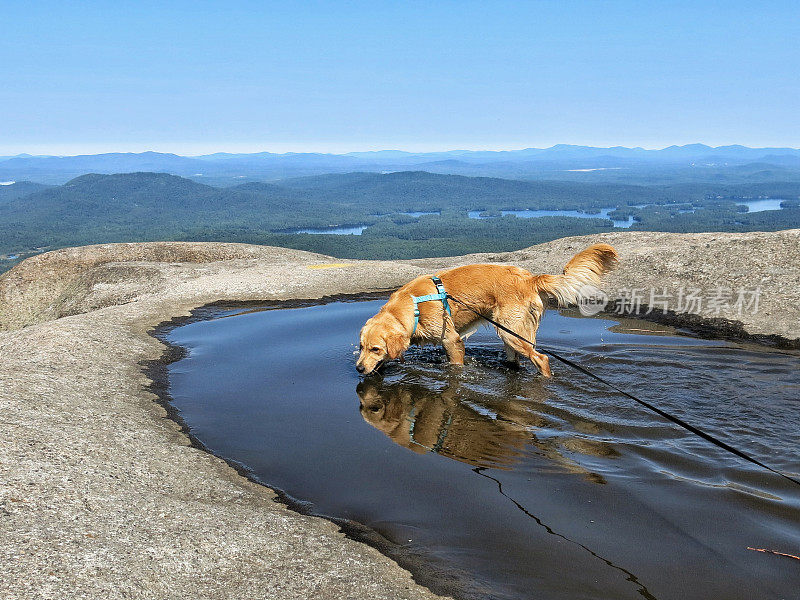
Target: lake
[348, 230]
[533, 214]
[473, 214]
[762, 204]
[355, 229]
[753, 206]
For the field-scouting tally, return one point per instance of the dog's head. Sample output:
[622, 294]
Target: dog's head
[382, 338]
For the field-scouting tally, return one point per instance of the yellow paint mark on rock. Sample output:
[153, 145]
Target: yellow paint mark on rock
[330, 266]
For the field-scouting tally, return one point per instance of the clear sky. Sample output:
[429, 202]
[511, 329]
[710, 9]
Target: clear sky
[196, 77]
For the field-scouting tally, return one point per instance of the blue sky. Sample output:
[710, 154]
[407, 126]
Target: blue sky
[195, 77]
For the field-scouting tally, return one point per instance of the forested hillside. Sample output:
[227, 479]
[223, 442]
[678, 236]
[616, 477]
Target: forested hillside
[157, 206]
[19, 189]
[132, 206]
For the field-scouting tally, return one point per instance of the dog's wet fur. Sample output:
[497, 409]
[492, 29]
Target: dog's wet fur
[512, 296]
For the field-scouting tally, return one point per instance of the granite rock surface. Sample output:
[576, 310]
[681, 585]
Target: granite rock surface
[102, 495]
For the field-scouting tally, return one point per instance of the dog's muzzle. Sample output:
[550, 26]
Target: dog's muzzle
[361, 369]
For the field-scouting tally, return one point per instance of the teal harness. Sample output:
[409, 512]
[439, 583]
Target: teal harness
[441, 295]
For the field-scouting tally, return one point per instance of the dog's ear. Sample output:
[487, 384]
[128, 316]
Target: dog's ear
[396, 344]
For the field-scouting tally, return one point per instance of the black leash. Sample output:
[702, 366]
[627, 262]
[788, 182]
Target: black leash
[655, 409]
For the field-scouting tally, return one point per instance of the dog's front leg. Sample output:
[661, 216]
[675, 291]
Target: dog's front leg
[453, 346]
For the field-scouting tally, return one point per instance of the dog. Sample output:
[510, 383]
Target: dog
[512, 296]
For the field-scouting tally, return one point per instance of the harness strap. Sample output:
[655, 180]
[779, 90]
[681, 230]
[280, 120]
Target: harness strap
[441, 295]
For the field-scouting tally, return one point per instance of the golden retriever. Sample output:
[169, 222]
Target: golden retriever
[510, 295]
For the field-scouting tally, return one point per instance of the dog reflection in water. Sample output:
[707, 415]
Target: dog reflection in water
[484, 431]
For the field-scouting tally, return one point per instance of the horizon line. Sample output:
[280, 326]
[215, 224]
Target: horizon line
[340, 152]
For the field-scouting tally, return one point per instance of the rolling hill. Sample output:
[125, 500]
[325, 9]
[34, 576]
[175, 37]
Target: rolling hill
[19, 189]
[99, 208]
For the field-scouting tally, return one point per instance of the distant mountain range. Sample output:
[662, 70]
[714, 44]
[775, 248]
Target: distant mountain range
[696, 162]
[557, 152]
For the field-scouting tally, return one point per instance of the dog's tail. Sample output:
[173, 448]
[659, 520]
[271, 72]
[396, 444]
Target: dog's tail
[581, 275]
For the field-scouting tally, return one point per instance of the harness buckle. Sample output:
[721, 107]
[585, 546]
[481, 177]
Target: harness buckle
[440, 288]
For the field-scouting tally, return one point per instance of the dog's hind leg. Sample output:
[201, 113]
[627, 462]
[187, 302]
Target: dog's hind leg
[542, 363]
[521, 323]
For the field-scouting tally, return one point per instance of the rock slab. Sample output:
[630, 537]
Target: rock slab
[102, 496]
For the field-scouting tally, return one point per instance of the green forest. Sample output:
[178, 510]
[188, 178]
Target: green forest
[156, 206]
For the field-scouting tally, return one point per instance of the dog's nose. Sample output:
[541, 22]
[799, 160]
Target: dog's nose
[360, 368]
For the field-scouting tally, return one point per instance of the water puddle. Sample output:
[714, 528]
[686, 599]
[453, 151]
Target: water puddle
[523, 487]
